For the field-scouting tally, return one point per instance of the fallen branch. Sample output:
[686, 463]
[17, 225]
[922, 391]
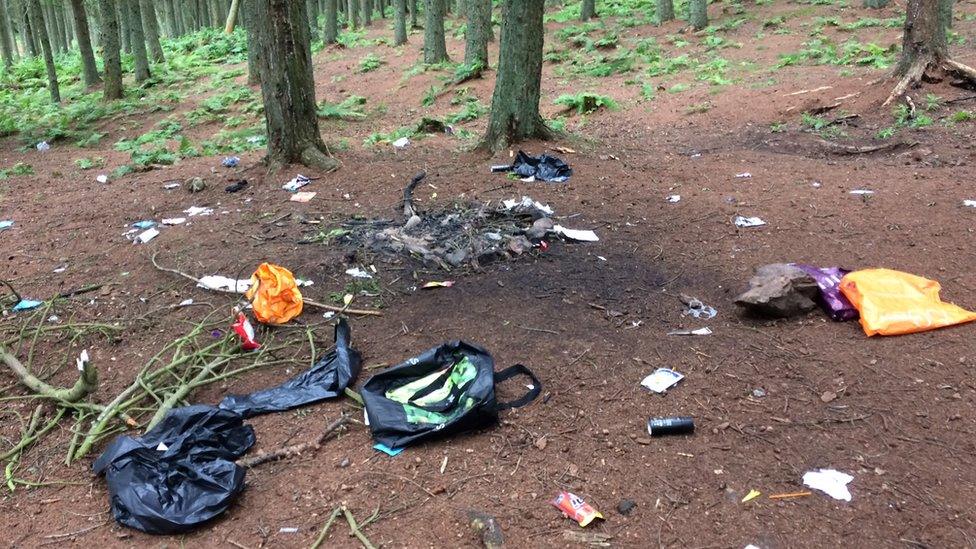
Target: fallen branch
[355, 529]
[295, 449]
[852, 149]
[325, 530]
[86, 384]
[408, 209]
[333, 308]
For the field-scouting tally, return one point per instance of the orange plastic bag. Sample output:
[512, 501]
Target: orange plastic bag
[274, 294]
[895, 303]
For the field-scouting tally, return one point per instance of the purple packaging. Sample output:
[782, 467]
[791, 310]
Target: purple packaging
[831, 299]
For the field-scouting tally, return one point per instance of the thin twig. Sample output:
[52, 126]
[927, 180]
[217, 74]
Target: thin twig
[295, 449]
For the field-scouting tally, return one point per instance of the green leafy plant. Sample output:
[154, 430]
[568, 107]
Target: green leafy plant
[370, 63]
[17, 169]
[89, 163]
[585, 102]
[349, 108]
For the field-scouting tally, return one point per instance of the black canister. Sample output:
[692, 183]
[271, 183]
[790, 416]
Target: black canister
[661, 426]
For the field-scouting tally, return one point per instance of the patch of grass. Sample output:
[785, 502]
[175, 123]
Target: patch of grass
[370, 63]
[679, 87]
[350, 108]
[17, 169]
[886, 133]
[961, 116]
[585, 102]
[89, 163]
[932, 102]
[648, 91]
[377, 138]
[821, 51]
[471, 110]
[699, 108]
[777, 127]
[430, 96]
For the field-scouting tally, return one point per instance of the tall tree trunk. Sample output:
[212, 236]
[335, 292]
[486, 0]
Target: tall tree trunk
[27, 33]
[169, 16]
[515, 102]
[254, 51]
[331, 22]
[698, 13]
[924, 40]
[665, 10]
[435, 46]
[945, 12]
[877, 4]
[313, 21]
[588, 10]
[214, 11]
[367, 9]
[111, 55]
[352, 14]
[413, 14]
[399, 22]
[288, 87]
[150, 26]
[69, 31]
[479, 24]
[381, 7]
[55, 35]
[232, 16]
[138, 41]
[6, 44]
[125, 21]
[37, 19]
[89, 70]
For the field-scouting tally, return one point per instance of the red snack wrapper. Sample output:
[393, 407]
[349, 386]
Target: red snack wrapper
[575, 508]
[244, 329]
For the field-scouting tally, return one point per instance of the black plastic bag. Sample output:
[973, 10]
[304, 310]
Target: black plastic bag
[545, 167]
[327, 379]
[181, 473]
[446, 390]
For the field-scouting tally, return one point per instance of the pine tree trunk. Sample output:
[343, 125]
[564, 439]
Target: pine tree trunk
[367, 9]
[876, 4]
[381, 8]
[288, 87]
[54, 35]
[476, 39]
[313, 23]
[588, 10]
[138, 41]
[89, 69]
[124, 24]
[924, 40]
[111, 55]
[150, 25]
[6, 45]
[435, 45]
[399, 22]
[37, 19]
[254, 51]
[331, 33]
[69, 31]
[27, 33]
[214, 11]
[352, 14]
[698, 13]
[515, 101]
[95, 25]
[945, 12]
[665, 10]
[232, 16]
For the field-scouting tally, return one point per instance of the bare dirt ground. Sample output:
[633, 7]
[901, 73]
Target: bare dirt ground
[589, 319]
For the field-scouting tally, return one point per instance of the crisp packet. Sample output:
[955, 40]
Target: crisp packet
[832, 301]
[244, 329]
[575, 508]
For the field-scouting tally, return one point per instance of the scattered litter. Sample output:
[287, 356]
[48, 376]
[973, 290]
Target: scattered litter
[196, 184]
[661, 426]
[328, 315]
[753, 494]
[527, 204]
[147, 235]
[673, 199]
[545, 168]
[102, 178]
[274, 294]
[243, 328]
[893, 302]
[328, 378]
[302, 197]
[696, 308]
[60, 269]
[576, 234]
[746, 222]
[231, 161]
[862, 192]
[297, 183]
[4, 225]
[759, 392]
[287, 530]
[831, 299]
[144, 224]
[437, 284]
[392, 452]
[43, 146]
[626, 506]
[697, 332]
[969, 203]
[357, 272]
[173, 221]
[601, 258]
[791, 495]
[186, 302]
[743, 175]
[82, 361]
[237, 186]
[254, 139]
[573, 507]
[831, 482]
[779, 290]
[661, 380]
[27, 304]
[816, 184]
[401, 143]
[222, 283]
[446, 390]
[194, 211]
[171, 186]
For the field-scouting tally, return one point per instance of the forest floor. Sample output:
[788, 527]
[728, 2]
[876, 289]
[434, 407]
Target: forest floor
[590, 319]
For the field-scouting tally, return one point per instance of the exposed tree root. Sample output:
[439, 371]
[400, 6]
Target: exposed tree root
[314, 158]
[926, 63]
[295, 449]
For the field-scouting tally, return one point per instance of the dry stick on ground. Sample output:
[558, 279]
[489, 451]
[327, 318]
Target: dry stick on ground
[295, 449]
[355, 529]
[408, 209]
[333, 308]
[325, 530]
[86, 384]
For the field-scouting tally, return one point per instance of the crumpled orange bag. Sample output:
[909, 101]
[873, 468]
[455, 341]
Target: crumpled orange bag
[274, 294]
[894, 303]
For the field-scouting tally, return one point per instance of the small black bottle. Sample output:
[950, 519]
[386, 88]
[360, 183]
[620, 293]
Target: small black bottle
[660, 426]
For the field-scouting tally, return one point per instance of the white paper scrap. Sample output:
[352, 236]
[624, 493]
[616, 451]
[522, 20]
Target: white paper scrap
[673, 199]
[745, 222]
[661, 380]
[969, 203]
[173, 221]
[194, 211]
[356, 272]
[527, 202]
[147, 235]
[831, 482]
[297, 183]
[698, 332]
[82, 360]
[217, 282]
[576, 234]
[861, 192]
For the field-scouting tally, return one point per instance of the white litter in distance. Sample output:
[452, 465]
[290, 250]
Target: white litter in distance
[527, 202]
[661, 380]
[222, 283]
[173, 221]
[356, 272]
[194, 211]
[82, 360]
[401, 143]
[186, 302]
[43, 146]
[861, 192]
[576, 234]
[969, 203]
[698, 332]
[831, 482]
[745, 222]
[673, 199]
[743, 175]
[171, 186]
[102, 178]
[147, 235]
[297, 183]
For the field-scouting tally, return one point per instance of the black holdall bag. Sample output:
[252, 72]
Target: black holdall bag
[446, 390]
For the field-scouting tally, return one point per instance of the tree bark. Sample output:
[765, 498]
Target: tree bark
[515, 101]
[665, 10]
[698, 13]
[924, 39]
[138, 41]
[254, 51]
[352, 14]
[435, 45]
[331, 33]
[6, 44]
[37, 20]
[111, 56]
[313, 23]
[54, 31]
[367, 10]
[288, 86]
[235, 6]
[125, 21]
[413, 14]
[476, 37]
[399, 22]
[150, 26]
[89, 69]
[876, 4]
[588, 10]
[27, 33]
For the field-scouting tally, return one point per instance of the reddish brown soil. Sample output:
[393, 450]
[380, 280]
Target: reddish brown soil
[903, 422]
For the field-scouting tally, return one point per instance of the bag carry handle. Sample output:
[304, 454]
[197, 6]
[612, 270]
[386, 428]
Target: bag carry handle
[529, 396]
[447, 402]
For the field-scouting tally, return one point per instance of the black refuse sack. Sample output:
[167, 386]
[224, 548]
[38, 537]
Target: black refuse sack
[545, 168]
[327, 379]
[446, 390]
[181, 473]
